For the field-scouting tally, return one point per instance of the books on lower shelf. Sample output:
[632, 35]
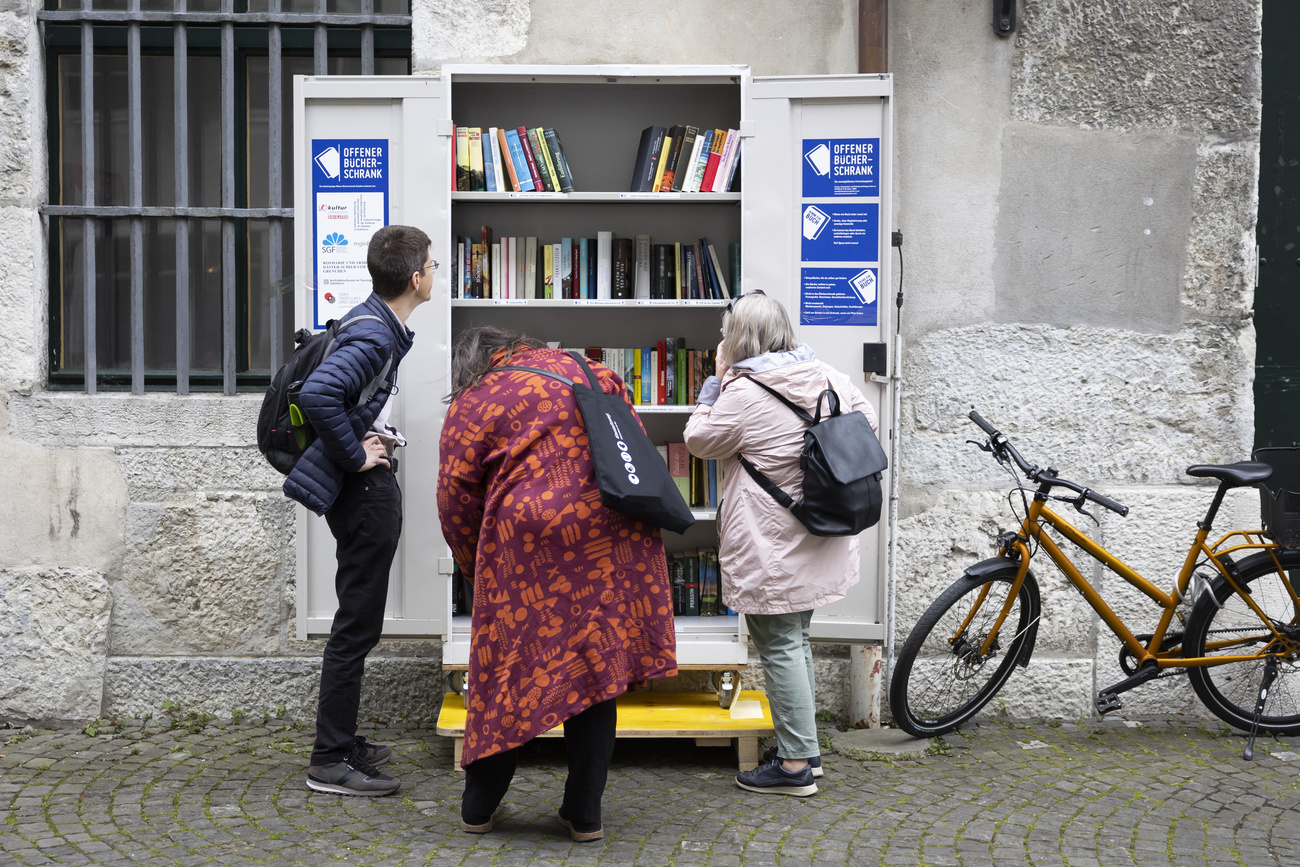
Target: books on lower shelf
[603, 267]
[685, 159]
[519, 160]
[696, 583]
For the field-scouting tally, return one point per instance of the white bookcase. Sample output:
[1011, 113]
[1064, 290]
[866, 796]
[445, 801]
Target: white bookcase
[599, 113]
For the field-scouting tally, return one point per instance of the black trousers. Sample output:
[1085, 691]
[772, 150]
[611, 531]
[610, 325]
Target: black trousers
[589, 743]
[366, 521]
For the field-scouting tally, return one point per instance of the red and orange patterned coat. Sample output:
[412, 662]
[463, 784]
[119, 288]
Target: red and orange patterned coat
[571, 600]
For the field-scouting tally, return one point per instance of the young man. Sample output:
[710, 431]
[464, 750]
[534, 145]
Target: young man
[349, 475]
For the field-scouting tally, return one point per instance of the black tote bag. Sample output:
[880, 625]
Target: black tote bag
[630, 472]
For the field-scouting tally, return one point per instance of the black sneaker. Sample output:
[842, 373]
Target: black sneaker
[374, 754]
[815, 762]
[773, 779]
[352, 776]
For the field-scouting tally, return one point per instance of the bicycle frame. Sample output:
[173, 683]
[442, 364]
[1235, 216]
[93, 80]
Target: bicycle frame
[1032, 529]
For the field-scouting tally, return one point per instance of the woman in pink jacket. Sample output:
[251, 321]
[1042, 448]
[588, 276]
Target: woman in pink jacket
[773, 570]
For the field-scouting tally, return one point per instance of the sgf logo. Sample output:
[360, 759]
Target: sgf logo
[332, 240]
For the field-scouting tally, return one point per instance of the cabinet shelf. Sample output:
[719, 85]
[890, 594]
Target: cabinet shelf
[590, 302]
[610, 198]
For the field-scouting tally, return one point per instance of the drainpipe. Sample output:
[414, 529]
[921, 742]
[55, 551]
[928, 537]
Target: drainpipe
[866, 679]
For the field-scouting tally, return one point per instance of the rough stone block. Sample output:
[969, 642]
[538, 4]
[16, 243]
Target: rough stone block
[22, 280]
[1219, 282]
[1093, 228]
[393, 689]
[116, 419]
[205, 574]
[64, 506]
[55, 623]
[156, 474]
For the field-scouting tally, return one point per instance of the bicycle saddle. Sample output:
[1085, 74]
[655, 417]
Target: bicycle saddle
[1233, 475]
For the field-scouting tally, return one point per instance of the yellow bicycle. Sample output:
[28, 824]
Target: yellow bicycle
[1231, 621]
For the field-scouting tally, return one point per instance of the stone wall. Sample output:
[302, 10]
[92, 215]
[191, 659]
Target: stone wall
[1078, 206]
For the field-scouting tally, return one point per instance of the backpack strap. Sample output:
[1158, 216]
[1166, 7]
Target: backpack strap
[833, 409]
[766, 484]
[380, 380]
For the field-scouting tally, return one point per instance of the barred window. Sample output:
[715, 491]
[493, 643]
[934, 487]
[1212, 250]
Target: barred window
[171, 182]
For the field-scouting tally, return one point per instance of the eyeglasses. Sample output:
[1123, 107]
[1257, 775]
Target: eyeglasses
[432, 264]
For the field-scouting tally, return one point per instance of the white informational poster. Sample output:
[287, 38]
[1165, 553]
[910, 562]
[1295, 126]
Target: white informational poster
[349, 204]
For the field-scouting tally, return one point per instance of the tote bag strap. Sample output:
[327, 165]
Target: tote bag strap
[563, 379]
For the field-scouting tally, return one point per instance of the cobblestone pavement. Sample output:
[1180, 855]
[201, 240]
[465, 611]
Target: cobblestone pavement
[1153, 793]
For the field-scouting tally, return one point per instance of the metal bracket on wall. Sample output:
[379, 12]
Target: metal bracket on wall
[1004, 17]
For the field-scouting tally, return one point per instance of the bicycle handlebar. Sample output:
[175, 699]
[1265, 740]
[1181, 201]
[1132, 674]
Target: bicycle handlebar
[1002, 446]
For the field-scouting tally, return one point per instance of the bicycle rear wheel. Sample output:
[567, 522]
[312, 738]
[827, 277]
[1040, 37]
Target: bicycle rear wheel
[1225, 624]
[940, 680]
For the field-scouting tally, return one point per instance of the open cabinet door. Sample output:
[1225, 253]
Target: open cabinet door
[816, 222]
[372, 151]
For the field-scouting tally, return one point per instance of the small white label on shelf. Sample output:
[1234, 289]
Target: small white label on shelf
[539, 195]
[658, 302]
[705, 302]
[512, 301]
[601, 302]
[649, 195]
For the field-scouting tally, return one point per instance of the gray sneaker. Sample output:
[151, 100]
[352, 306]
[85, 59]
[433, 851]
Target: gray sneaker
[814, 762]
[374, 754]
[352, 776]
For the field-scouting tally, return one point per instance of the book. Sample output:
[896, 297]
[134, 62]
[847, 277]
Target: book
[712, 469]
[647, 158]
[566, 268]
[665, 149]
[715, 158]
[539, 136]
[621, 278]
[686, 171]
[661, 372]
[529, 161]
[487, 144]
[584, 268]
[495, 266]
[492, 144]
[691, 588]
[717, 272]
[733, 259]
[702, 161]
[548, 270]
[507, 161]
[701, 286]
[539, 159]
[530, 265]
[730, 150]
[641, 285]
[676, 136]
[677, 272]
[679, 467]
[708, 582]
[682, 164]
[522, 174]
[477, 183]
[518, 268]
[485, 239]
[729, 186]
[604, 264]
[462, 158]
[646, 375]
[561, 163]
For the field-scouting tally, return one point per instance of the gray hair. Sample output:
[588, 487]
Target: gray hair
[754, 324]
[471, 354]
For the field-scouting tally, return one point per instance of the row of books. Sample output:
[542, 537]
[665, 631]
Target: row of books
[501, 160]
[650, 379]
[696, 584]
[604, 267]
[696, 478]
[685, 159]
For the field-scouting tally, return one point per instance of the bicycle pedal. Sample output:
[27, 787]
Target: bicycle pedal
[1107, 703]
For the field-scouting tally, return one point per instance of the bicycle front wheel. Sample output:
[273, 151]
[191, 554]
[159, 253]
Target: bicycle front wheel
[1226, 624]
[941, 678]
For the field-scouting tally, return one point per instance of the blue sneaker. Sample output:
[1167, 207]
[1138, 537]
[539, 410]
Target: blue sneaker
[815, 762]
[771, 778]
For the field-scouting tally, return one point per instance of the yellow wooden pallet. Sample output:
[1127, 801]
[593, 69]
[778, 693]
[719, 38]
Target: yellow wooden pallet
[659, 714]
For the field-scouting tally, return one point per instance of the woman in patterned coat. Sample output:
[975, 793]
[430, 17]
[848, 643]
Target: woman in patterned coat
[572, 603]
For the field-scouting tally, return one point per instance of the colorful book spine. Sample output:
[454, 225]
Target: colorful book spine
[684, 165]
[715, 158]
[548, 164]
[539, 158]
[730, 151]
[702, 161]
[487, 143]
[584, 267]
[530, 163]
[647, 158]
[477, 180]
[516, 147]
[676, 136]
[507, 161]
[665, 150]
[566, 268]
[462, 159]
[561, 163]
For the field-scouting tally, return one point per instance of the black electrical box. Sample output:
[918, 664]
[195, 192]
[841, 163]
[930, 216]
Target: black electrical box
[875, 359]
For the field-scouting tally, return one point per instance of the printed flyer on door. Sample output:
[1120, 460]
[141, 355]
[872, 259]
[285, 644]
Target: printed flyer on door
[349, 204]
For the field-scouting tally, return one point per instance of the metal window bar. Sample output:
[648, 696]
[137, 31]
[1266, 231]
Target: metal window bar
[182, 212]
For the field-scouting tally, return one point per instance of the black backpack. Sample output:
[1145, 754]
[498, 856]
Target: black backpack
[842, 464]
[283, 432]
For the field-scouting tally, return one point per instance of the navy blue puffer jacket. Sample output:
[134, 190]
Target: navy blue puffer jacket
[332, 389]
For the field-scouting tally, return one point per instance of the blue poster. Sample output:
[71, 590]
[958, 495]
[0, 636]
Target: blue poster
[838, 296]
[349, 184]
[841, 167]
[841, 233]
